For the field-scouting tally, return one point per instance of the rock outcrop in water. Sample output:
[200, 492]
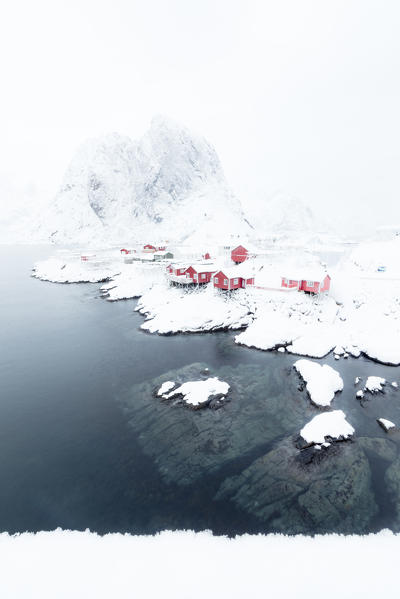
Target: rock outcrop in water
[188, 445]
[330, 493]
[245, 457]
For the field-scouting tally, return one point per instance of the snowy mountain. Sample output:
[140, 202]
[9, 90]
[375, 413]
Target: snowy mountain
[168, 185]
[282, 213]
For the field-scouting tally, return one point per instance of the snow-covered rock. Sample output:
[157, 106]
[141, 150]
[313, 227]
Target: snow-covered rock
[360, 394]
[328, 425]
[169, 183]
[338, 350]
[395, 384]
[374, 384]
[166, 388]
[198, 393]
[322, 382]
[387, 425]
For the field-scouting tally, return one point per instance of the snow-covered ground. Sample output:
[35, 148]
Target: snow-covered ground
[59, 270]
[188, 565]
[322, 382]
[171, 310]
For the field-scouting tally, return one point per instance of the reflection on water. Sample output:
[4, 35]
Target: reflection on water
[85, 443]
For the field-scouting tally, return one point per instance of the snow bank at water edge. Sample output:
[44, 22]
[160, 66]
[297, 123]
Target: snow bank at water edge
[67, 564]
[196, 393]
[171, 310]
[282, 319]
[316, 342]
[268, 330]
[133, 281]
[58, 270]
[322, 382]
[328, 425]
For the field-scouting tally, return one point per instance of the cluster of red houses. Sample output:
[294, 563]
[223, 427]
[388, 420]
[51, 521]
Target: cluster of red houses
[200, 274]
[242, 275]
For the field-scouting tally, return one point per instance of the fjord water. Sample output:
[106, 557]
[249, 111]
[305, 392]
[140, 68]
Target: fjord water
[82, 447]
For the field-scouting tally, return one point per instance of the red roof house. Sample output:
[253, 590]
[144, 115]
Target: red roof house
[232, 278]
[239, 254]
[200, 274]
[316, 282]
[149, 248]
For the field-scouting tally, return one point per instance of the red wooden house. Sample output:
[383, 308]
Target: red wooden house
[153, 248]
[239, 254]
[228, 279]
[316, 282]
[200, 274]
[177, 270]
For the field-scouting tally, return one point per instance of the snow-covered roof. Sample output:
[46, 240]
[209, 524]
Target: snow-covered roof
[244, 270]
[161, 253]
[252, 249]
[308, 273]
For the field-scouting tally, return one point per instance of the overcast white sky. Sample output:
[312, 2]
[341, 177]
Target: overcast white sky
[296, 95]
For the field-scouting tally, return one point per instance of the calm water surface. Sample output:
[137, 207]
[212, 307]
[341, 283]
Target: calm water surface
[80, 449]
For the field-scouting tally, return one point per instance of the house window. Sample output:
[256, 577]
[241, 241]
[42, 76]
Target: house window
[194, 276]
[202, 276]
[284, 282]
[235, 281]
[225, 281]
[310, 283]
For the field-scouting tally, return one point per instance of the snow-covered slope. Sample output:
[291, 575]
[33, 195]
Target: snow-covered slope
[169, 185]
[283, 213]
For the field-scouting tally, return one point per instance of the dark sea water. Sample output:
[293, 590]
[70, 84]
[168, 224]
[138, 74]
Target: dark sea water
[85, 444]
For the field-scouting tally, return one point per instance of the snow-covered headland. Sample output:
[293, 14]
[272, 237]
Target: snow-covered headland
[360, 314]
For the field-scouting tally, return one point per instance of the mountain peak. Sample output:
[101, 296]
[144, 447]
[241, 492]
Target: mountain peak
[170, 180]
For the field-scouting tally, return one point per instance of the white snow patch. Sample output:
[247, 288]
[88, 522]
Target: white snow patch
[386, 424]
[360, 394]
[322, 382]
[374, 384]
[328, 424]
[395, 384]
[196, 393]
[268, 330]
[166, 387]
[317, 342]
